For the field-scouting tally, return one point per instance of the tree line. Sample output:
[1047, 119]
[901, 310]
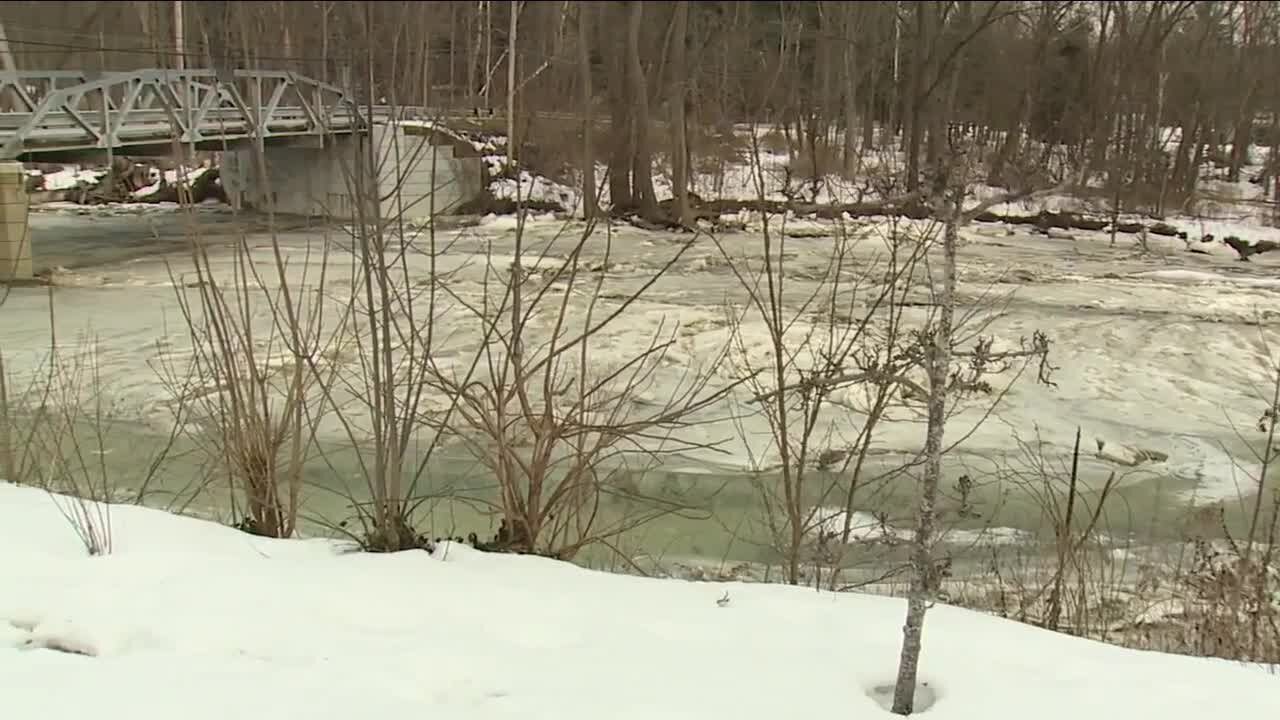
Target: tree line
[1101, 79]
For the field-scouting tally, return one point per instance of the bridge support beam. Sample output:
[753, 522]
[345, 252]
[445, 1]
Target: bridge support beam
[15, 230]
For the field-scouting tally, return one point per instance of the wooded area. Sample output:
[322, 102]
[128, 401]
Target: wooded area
[1096, 80]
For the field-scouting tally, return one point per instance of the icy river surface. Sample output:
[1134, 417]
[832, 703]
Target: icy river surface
[1161, 355]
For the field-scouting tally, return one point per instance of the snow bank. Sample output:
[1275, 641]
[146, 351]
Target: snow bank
[194, 620]
[178, 176]
[535, 188]
[63, 207]
[69, 177]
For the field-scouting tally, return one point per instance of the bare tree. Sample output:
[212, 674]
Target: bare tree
[947, 191]
[590, 206]
[560, 427]
[678, 98]
[938, 363]
[511, 83]
[642, 152]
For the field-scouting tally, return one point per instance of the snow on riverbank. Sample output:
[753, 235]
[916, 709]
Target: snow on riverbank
[183, 611]
[67, 178]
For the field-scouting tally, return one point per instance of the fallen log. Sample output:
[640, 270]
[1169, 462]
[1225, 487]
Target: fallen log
[1042, 221]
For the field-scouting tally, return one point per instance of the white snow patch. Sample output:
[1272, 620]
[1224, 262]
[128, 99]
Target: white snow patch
[1207, 278]
[300, 629]
[535, 188]
[178, 176]
[69, 177]
[124, 208]
[494, 221]
[866, 527]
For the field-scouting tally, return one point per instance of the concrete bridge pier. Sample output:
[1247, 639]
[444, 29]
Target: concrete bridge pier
[314, 176]
[15, 230]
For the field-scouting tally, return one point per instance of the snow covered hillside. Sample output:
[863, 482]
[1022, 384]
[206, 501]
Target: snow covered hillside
[193, 620]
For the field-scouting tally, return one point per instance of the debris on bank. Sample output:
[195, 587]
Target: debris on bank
[125, 181]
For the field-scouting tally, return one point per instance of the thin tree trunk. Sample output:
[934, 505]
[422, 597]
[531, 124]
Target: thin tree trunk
[1182, 155]
[488, 53]
[8, 64]
[1197, 155]
[7, 470]
[426, 68]
[621, 145]
[1244, 119]
[852, 156]
[324, 43]
[679, 93]
[453, 45]
[948, 113]
[144, 19]
[821, 103]
[511, 84]
[1241, 136]
[1012, 139]
[924, 574]
[589, 207]
[477, 37]
[286, 39]
[1157, 135]
[642, 159]
[1273, 164]
[896, 109]
[871, 110]
[915, 103]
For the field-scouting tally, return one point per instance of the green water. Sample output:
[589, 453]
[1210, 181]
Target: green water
[96, 239]
[710, 516]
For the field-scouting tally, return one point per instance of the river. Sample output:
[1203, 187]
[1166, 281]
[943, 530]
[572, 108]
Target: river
[1155, 351]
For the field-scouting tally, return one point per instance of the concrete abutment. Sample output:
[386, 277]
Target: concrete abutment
[320, 181]
[15, 228]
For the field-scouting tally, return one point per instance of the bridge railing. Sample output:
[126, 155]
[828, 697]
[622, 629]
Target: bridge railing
[151, 106]
[24, 91]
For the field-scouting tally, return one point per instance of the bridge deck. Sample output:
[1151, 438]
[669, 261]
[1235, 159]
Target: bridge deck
[69, 111]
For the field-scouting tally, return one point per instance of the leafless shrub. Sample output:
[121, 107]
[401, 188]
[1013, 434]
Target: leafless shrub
[843, 342]
[250, 389]
[813, 346]
[1232, 603]
[1215, 594]
[558, 423]
[331, 337]
[1072, 583]
[69, 436]
[389, 326]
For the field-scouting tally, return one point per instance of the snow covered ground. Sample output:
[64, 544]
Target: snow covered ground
[73, 176]
[194, 620]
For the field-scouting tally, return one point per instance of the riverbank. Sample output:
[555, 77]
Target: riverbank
[290, 625]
